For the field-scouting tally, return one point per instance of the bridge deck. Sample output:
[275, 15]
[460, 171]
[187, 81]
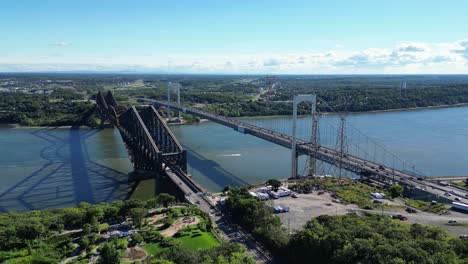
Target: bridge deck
[348, 162]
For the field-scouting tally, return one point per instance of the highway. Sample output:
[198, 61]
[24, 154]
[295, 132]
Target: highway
[229, 230]
[331, 156]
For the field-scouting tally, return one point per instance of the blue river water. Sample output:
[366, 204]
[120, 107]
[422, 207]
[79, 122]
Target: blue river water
[57, 167]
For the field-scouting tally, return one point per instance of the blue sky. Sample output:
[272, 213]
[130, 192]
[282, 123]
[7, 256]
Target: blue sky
[315, 37]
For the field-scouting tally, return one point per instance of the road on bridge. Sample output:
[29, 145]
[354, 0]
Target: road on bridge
[348, 162]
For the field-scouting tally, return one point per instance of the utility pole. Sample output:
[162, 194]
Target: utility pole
[314, 139]
[342, 143]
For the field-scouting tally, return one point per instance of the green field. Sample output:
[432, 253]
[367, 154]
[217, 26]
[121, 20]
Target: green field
[152, 248]
[198, 240]
[144, 190]
[193, 240]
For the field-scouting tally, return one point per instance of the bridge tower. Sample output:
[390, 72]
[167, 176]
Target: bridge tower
[312, 98]
[170, 86]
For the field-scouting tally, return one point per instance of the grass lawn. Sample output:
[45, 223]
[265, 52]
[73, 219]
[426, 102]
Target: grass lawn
[144, 190]
[425, 206]
[460, 184]
[197, 240]
[152, 248]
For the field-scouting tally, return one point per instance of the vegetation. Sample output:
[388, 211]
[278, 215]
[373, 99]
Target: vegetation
[346, 189]
[275, 184]
[425, 206]
[256, 217]
[396, 190]
[373, 239]
[232, 96]
[348, 239]
[43, 110]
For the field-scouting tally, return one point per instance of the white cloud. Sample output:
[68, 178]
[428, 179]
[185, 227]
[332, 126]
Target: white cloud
[60, 44]
[462, 48]
[402, 58]
[272, 62]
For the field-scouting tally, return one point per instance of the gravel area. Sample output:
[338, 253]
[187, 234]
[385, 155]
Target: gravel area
[308, 206]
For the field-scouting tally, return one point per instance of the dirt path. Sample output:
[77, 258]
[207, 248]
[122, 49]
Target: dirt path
[180, 224]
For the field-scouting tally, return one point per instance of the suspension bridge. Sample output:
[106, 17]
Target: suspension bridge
[360, 161]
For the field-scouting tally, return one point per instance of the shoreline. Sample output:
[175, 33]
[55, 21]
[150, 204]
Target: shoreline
[363, 112]
[18, 126]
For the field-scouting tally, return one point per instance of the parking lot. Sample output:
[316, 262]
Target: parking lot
[308, 206]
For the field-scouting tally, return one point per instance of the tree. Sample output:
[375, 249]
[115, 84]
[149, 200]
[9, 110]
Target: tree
[165, 199]
[275, 184]
[137, 238]
[137, 214]
[109, 254]
[87, 229]
[226, 188]
[83, 243]
[395, 190]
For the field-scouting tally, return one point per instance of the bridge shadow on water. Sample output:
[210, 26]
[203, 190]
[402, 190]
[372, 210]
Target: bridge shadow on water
[212, 170]
[67, 177]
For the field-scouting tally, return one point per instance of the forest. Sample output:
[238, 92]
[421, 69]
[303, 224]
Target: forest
[58, 109]
[346, 239]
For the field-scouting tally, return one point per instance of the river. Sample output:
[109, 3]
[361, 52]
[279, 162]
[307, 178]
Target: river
[57, 167]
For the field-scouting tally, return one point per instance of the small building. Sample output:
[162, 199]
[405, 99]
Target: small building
[377, 195]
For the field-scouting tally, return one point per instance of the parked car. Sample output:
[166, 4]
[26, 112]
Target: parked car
[377, 202]
[451, 221]
[294, 195]
[462, 236]
[400, 217]
[411, 210]
[457, 199]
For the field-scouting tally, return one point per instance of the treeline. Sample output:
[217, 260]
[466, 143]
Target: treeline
[41, 110]
[50, 236]
[346, 239]
[348, 100]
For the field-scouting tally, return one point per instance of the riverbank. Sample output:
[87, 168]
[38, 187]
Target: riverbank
[362, 112]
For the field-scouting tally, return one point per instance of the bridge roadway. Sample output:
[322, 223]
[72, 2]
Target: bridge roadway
[348, 162]
[230, 231]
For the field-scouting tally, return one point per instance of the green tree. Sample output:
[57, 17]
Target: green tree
[137, 238]
[109, 254]
[138, 214]
[87, 229]
[275, 184]
[83, 243]
[395, 190]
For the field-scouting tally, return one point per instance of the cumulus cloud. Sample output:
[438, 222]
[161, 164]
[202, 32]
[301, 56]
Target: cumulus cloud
[411, 48]
[401, 58]
[272, 62]
[60, 44]
[462, 48]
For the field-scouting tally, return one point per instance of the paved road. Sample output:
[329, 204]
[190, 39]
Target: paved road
[230, 231]
[348, 162]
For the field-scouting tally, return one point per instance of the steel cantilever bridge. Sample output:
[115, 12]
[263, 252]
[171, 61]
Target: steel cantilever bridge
[150, 143]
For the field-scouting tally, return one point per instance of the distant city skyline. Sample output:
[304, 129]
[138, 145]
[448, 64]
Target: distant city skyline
[238, 37]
